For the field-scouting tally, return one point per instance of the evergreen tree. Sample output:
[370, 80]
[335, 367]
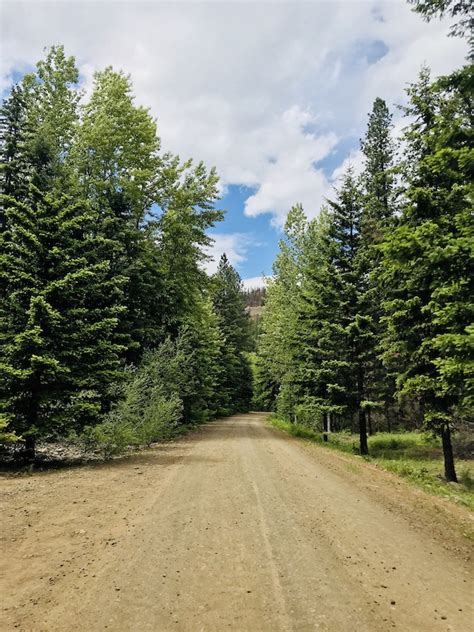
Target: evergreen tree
[14, 168]
[428, 258]
[61, 300]
[37, 127]
[349, 273]
[200, 349]
[378, 181]
[275, 347]
[228, 300]
[103, 244]
[59, 315]
[316, 351]
[378, 175]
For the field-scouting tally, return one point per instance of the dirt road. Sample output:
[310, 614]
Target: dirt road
[237, 527]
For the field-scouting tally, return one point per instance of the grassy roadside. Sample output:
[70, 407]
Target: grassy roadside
[416, 457]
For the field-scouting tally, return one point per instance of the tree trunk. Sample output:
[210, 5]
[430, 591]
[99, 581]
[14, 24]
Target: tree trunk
[30, 449]
[364, 448]
[33, 415]
[449, 469]
[369, 421]
[325, 427]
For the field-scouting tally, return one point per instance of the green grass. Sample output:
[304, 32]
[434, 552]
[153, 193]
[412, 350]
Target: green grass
[415, 456]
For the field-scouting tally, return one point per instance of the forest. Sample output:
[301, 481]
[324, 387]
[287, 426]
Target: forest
[112, 333]
[368, 318]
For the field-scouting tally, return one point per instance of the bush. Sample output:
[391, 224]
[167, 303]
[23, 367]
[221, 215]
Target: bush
[160, 418]
[147, 410]
[111, 437]
[466, 479]
[309, 414]
[285, 403]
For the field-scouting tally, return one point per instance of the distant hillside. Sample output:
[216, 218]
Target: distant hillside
[255, 297]
[254, 304]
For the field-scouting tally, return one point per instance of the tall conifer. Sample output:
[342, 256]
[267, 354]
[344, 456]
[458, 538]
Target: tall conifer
[228, 300]
[428, 258]
[59, 316]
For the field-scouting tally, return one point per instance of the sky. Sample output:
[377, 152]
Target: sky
[275, 95]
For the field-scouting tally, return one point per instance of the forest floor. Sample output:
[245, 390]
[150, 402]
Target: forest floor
[237, 526]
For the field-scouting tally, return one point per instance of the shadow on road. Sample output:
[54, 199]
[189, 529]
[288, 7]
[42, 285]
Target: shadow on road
[231, 428]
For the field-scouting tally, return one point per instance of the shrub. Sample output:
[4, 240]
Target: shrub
[160, 418]
[147, 410]
[109, 437]
[463, 444]
[309, 414]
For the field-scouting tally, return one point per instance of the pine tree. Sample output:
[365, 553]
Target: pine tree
[348, 270]
[378, 175]
[103, 244]
[59, 315]
[378, 181]
[428, 258]
[200, 346]
[228, 301]
[37, 126]
[276, 344]
[14, 168]
[316, 354]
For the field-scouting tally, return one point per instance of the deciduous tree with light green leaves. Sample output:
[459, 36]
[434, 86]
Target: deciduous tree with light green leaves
[103, 246]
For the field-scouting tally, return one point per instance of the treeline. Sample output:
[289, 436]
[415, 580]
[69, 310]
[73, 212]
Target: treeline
[110, 328]
[368, 320]
[255, 297]
[254, 302]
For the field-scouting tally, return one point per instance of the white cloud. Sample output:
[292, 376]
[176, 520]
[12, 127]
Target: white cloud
[254, 282]
[260, 90]
[234, 245]
[291, 174]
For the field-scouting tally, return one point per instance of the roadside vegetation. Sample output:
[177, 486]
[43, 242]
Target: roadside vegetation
[112, 333]
[368, 317]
